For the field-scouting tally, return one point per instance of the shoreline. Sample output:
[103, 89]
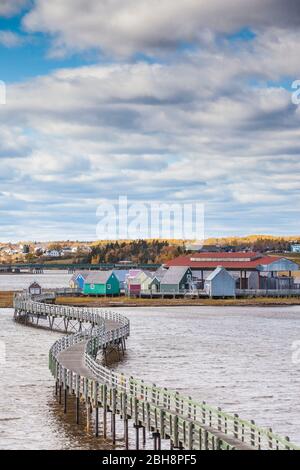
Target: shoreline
[6, 301]
[107, 302]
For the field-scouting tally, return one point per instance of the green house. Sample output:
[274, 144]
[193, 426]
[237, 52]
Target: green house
[177, 279]
[101, 283]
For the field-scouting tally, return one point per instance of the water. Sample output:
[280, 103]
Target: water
[237, 358]
[48, 280]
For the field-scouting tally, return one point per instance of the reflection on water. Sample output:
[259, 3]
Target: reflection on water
[237, 358]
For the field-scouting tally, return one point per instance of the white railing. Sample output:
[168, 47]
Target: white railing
[182, 419]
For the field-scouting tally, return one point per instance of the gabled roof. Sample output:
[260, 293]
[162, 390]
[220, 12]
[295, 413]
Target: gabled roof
[83, 274]
[35, 285]
[121, 274]
[160, 273]
[98, 277]
[216, 272]
[174, 274]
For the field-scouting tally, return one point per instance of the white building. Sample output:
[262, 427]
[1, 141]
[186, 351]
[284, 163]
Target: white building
[53, 253]
[220, 284]
[35, 289]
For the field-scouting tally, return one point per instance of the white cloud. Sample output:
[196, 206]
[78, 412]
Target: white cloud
[10, 39]
[126, 27]
[10, 7]
[205, 124]
[161, 132]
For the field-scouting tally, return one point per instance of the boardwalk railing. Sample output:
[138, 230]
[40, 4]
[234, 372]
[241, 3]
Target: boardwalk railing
[268, 292]
[166, 414]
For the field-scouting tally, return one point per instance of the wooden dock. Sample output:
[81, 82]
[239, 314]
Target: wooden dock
[156, 413]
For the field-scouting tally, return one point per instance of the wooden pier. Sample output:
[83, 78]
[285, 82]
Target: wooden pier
[155, 413]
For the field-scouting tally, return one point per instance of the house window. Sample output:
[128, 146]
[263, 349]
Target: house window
[108, 286]
[92, 286]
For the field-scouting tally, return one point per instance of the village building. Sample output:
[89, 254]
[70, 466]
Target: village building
[78, 279]
[121, 275]
[52, 254]
[35, 289]
[178, 279]
[239, 265]
[101, 283]
[133, 283]
[220, 284]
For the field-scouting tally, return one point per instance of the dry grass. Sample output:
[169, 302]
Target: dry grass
[6, 299]
[132, 302]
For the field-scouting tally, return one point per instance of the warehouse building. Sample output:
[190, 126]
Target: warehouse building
[240, 265]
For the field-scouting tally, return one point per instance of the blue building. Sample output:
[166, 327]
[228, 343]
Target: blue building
[295, 248]
[78, 279]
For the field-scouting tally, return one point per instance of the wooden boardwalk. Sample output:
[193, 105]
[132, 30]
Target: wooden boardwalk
[155, 412]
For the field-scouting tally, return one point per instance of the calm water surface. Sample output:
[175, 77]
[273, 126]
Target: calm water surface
[237, 358]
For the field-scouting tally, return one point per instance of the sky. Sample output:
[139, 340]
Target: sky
[156, 100]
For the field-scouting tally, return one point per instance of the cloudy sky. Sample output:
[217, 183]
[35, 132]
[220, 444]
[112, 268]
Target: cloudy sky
[159, 100]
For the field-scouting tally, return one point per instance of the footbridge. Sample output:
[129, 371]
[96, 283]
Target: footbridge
[78, 364]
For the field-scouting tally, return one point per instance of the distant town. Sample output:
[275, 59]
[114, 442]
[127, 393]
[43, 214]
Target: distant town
[139, 251]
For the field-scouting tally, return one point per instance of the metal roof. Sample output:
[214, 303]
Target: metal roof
[216, 272]
[226, 260]
[84, 274]
[99, 277]
[174, 274]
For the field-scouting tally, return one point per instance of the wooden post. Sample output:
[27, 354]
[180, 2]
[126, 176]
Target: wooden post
[219, 419]
[206, 441]
[77, 409]
[113, 427]
[104, 411]
[270, 438]
[190, 436]
[65, 400]
[252, 434]
[175, 427]
[158, 441]
[144, 436]
[287, 447]
[88, 417]
[137, 436]
[96, 421]
[113, 415]
[126, 433]
[236, 426]
[154, 437]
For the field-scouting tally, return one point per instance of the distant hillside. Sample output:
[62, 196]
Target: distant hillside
[137, 251]
[255, 242]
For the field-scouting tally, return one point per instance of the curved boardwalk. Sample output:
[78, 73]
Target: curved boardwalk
[156, 412]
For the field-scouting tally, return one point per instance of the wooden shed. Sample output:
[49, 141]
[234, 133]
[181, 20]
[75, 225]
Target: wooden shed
[176, 280]
[35, 289]
[101, 283]
[220, 283]
[78, 279]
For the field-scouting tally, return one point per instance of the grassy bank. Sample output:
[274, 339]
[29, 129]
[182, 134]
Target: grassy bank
[6, 299]
[131, 302]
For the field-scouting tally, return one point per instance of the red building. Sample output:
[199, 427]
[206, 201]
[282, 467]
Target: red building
[241, 265]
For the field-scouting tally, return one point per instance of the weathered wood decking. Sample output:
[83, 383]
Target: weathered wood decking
[160, 412]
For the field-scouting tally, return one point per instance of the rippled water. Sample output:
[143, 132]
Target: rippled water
[237, 358]
[48, 280]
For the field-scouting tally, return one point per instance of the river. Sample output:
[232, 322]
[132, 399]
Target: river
[239, 358]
